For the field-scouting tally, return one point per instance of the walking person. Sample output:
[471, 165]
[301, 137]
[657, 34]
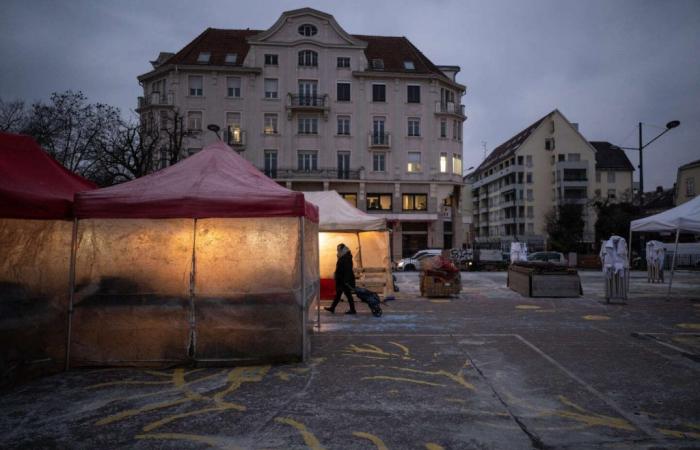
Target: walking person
[344, 279]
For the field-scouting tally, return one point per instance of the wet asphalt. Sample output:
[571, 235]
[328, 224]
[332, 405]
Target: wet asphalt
[487, 369]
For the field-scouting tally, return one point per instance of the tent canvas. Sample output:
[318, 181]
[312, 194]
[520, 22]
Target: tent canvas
[682, 218]
[36, 230]
[207, 260]
[366, 236]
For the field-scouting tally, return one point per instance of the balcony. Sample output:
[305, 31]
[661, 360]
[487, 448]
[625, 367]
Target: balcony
[451, 108]
[379, 140]
[236, 138]
[156, 99]
[314, 174]
[307, 103]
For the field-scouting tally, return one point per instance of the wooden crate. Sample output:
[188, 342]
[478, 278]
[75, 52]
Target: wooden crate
[432, 286]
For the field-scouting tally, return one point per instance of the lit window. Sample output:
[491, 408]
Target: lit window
[414, 127]
[456, 164]
[414, 164]
[234, 134]
[203, 57]
[195, 84]
[270, 59]
[308, 58]
[231, 58]
[443, 162]
[415, 202]
[307, 30]
[408, 65]
[380, 202]
[270, 126]
[233, 87]
[350, 198]
[271, 88]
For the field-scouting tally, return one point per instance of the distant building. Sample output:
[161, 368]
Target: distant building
[547, 164]
[317, 108]
[658, 200]
[686, 182]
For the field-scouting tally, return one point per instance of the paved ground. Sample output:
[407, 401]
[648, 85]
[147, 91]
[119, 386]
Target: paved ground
[489, 369]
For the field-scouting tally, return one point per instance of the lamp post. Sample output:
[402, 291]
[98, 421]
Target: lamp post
[669, 126]
[215, 128]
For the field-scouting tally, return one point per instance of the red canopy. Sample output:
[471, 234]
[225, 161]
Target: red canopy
[33, 185]
[216, 182]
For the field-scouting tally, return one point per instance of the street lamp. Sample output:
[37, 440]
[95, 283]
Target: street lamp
[669, 126]
[215, 128]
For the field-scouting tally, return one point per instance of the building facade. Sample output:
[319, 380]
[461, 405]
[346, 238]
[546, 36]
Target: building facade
[545, 165]
[317, 108]
[686, 182]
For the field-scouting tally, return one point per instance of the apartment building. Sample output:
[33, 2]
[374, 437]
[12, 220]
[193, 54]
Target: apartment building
[546, 164]
[317, 108]
[688, 175]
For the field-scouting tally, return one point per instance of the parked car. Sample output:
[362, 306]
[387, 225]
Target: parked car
[553, 257]
[413, 262]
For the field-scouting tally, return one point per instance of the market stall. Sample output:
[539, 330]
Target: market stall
[366, 236]
[207, 261]
[682, 218]
[36, 228]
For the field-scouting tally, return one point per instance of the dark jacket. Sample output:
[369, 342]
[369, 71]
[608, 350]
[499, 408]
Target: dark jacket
[343, 270]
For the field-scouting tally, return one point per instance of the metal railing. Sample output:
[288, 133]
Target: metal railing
[379, 140]
[449, 108]
[307, 101]
[157, 99]
[322, 173]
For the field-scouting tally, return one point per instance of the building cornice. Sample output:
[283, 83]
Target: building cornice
[413, 76]
[166, 68]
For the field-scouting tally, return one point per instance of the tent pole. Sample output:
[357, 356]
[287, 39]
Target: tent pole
[192, 350]
[304, 336]
[629, 261]
[673, 263]
[71, 287]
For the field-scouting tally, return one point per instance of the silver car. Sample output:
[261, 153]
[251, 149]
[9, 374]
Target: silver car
[413, 263]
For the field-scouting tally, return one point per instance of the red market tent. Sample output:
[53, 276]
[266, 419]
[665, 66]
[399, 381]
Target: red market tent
[33, 185]
[216, 182]
[206, 261]
[36, 202]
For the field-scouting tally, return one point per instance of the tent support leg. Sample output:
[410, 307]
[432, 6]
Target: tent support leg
[71, 289]
[673, 265]
[629, 261]
[304, 333]
[192, 347]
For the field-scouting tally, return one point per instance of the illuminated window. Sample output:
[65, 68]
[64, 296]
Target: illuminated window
[457, 164]
[379, 202]
[443, 162]
[350, 198]
[270, 126]
[415, 202]
[414, 164]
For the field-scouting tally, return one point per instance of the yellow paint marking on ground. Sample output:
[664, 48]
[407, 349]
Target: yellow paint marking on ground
[375, 440]
[157, 373]
[595, 317]
[439, 301]
[689, 326]
[370, 349]
[456, 377]
[588, 418]
[527, 307]
[282, 375]
[240, 375]
[404, 349]
[309, 439]
[159, 423]
[434, 446]
[133, 412]
[127, 382]
[679, 434]
[186, 437]
[407, 380]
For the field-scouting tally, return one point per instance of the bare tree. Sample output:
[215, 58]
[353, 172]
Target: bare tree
[13, 116]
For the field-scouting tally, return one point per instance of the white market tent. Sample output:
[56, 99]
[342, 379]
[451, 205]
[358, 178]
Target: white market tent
[367, 237]
[682, 218]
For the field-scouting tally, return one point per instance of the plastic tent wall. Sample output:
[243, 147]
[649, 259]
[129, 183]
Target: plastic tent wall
[365, 235]
[36, 197]
[210, 290]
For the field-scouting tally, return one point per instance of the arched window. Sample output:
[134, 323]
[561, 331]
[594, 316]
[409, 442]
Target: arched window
[308, 58]
[307, 29]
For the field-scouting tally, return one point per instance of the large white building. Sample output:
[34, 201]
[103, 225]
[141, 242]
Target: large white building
[547, 164]
[317, 108]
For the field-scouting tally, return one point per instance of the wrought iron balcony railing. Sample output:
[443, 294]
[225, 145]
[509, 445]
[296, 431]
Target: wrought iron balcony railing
[379, 140]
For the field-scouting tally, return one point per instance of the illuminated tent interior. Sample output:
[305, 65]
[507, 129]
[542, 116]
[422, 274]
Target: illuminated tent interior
[36, 223]
[366, 236]
[207, 260]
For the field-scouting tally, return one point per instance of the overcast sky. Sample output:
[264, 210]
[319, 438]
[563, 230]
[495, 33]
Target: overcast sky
[605, 64]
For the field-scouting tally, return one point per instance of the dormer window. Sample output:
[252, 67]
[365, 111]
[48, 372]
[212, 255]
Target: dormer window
[378, 64]
[231, 58]
[203, 57]
[408, 65]
[307, 30]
